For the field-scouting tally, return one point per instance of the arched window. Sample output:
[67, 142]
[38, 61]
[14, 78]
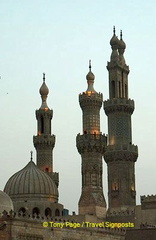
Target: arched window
[113, 89]
[22, 211]
[36, 211]
[49, 126]
[126, 91]
[48, 212]
[42, 124]
[57, 212]
[119, 89]
[46, 169]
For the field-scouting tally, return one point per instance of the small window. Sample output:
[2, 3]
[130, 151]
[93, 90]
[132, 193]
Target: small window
[42, 124]
[113, 89]
[57, 212]
[48, 212]
[36, 211]
[22, 210]
[126, 91]
[46, 169]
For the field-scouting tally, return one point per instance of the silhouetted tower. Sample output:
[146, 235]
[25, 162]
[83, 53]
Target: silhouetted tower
[44, 142]
[120, 154]
[91, 145]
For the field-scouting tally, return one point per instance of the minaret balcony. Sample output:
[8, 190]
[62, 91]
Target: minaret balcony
[119, 65]
[88, 99]
[124, 152]
[44, 140]
[91, 143]
[119, 105]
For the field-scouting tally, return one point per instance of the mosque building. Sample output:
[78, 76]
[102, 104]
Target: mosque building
[29, 203]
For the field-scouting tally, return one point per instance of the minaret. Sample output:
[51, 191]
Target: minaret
[44, 142]
[91, 145]
[120, 154]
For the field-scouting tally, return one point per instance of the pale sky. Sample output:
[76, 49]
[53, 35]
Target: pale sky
[58, 38]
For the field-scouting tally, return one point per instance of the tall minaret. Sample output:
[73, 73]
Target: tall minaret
[91, 145]
[120, 154]
[44, 142]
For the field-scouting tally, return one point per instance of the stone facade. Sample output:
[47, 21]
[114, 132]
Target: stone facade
[28, 228]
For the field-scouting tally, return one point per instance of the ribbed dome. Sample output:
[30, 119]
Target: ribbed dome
[31, 182]
[5, 202]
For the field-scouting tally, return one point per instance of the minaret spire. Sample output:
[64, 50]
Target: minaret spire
[120, 34]
[90, 66]
[114, 30]
[44, 77]
[31, 155]
[44, 142]
[44, 93]
[90, 80]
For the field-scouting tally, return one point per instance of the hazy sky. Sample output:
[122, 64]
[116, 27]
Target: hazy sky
[58, 38]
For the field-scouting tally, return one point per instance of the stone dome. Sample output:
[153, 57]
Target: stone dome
[121, 44]
[31, 183]
[44, 89]
[5, 202]
[90, 76]
[114, 40]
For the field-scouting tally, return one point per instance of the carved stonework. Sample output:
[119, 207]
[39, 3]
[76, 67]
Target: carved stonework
[120, 156]
[91, 143]
[92, 198]
[44, 141]
[24, 236]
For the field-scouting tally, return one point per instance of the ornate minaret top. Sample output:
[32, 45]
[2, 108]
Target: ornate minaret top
[90, 79]
[44, 93]
[118, 70]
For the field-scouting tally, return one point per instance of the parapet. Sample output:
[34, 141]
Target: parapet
[38, 219]
[88, 99]
[121, 213]
[148, 202]
[148, 198]
[43, 140]
[119, 105]
[128, 152]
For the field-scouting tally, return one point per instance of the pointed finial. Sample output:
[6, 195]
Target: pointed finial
[31, 155]
[114, 30]
[90, 65]
[44, 77]
[120, 34]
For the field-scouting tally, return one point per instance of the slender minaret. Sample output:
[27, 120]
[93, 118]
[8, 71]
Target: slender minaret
[91, 145]
[44, 142]
[120, 154]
